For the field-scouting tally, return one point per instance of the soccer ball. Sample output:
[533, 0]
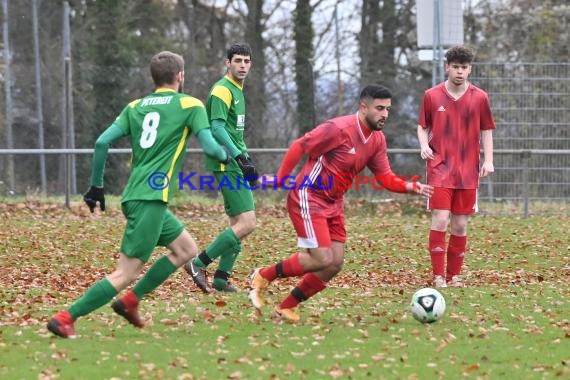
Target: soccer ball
[428, 305]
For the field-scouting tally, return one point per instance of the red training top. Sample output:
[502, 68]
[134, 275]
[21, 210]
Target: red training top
[338, 148]
[454, 135]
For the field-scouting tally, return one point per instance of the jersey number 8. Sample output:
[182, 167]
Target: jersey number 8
[149, 126]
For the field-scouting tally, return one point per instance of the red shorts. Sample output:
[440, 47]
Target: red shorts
[458, 201]
[316, 231]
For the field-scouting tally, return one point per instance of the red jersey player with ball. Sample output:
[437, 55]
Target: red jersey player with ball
[337, 149]
[455, 120]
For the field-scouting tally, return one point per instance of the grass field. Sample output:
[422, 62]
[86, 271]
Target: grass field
[511, 322]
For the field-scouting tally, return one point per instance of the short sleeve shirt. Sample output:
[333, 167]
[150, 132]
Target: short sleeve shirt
[454, 135]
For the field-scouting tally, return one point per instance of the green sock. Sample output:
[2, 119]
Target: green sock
[220, 282]
[227, 262]
[225, 242]
[156, 275]
[96, 296]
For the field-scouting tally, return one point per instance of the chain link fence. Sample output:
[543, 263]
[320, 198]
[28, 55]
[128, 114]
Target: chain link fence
[530, 102]
[531, 106]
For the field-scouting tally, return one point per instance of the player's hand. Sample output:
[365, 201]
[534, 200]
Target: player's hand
[426, 153]
[423, 190]
[248, 169]
[268, 181]
[486, 169]
[94, 195]
[228, 155]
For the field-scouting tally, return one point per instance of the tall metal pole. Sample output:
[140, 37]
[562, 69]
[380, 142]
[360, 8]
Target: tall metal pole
[65, 103]
[8, 93]
[39, 105]
[69, 84]
[438, 12]
[340, 98]
[434, 79]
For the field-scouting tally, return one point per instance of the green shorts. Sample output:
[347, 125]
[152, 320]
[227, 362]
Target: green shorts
[149, 224]
[237, 197]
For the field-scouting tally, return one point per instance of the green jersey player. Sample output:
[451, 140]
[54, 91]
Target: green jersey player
[226, 111]
[158, 126]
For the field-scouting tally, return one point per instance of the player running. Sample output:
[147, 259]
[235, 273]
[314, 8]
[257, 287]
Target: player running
[226, 111]
[340, 147]
[158, 126]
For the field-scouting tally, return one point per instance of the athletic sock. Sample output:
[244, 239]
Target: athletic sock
[455, 255]
[226, 241]
[225, 268]
[309, 285]
[437, 252]
[220, 279]
[156, 275]
[202, 260]
[96, 296]
[290, 267]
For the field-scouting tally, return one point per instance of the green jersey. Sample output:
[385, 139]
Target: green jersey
[159, 125]
[226, 102]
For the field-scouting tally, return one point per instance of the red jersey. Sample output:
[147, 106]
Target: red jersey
[338, 147]
[454, 135]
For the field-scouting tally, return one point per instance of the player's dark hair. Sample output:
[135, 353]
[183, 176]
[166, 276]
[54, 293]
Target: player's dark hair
[240, 48]
[375, 91]
[164, 67]
[459, 54]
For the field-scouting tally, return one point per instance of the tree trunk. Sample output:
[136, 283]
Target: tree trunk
[377, 52]
[303, 34]
[255, 83]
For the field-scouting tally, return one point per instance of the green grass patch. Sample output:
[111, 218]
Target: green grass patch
[511, 322]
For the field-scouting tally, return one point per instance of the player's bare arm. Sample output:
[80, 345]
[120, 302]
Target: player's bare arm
[487, 143]
[426, 152]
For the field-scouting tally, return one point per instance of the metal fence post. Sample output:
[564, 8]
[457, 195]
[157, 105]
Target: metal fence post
[490, 188]
[525, 156]
[67, 131]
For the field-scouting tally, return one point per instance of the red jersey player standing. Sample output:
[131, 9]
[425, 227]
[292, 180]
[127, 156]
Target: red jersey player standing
[455, 117]
[338, 149]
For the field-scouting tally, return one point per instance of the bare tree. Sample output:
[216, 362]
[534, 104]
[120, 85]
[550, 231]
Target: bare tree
[303, 34]
[255, 83]
[8, 93]
[378, 42]
[205, 40]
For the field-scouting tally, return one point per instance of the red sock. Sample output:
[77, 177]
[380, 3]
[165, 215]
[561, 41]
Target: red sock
[437, 252]
[455, 255]
[130, 299]
[290, 267]
[307, 287]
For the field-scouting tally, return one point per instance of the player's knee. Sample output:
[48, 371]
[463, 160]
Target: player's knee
[326, 261]
[459, 225]
[336, 265]
[459, 229]
[250, 225]
[185, 253]
[440, 220]
[439, 224]
[183, 248]
[245, 226]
